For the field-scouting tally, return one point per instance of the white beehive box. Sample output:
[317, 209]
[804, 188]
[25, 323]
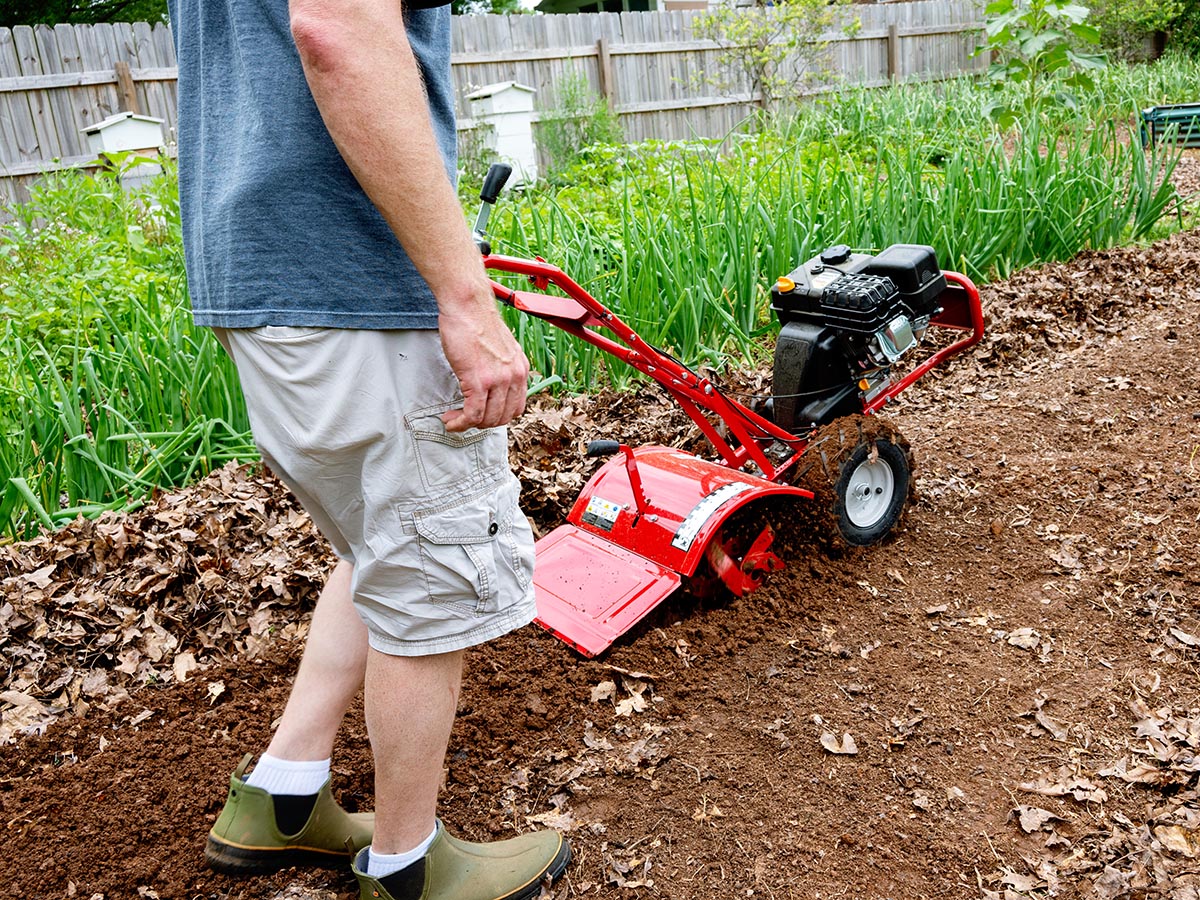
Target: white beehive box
[502, 98]
[124, 132]
[128, 133]
[506, 108]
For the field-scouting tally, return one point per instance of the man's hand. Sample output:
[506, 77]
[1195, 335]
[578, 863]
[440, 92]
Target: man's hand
[489, 363]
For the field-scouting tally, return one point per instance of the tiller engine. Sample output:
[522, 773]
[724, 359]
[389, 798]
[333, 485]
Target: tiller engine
[652, 517]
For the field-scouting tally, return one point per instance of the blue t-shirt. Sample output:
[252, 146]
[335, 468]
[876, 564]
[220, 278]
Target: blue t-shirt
[277, 230]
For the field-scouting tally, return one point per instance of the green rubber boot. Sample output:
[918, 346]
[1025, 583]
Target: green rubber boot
[246, 839]
[459, 870]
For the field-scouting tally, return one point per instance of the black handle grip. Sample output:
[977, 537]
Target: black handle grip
[602, 448]
[493, 183]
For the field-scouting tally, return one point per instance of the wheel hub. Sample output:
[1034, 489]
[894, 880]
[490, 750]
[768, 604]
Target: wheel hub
[869, 493]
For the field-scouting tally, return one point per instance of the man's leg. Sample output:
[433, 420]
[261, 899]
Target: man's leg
[283, 813]
[411, 702]
[330, 675]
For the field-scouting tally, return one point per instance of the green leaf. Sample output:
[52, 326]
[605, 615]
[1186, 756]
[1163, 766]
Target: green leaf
[1086, 33]
[1005, 117]
[1061, 99]
[1037, 44]
[1092, 61]
[1082, 81]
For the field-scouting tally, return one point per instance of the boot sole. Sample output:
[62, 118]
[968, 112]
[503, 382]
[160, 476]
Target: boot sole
[557, 866]
[230, 860]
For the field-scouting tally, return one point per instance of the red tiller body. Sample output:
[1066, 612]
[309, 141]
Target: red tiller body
[589, 594]
[648, 516]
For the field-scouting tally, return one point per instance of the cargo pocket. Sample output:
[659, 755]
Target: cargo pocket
[451, 459]
[476, 556]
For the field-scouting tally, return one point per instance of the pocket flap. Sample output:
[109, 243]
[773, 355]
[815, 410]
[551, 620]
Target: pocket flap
[426, 424]
[476, 521]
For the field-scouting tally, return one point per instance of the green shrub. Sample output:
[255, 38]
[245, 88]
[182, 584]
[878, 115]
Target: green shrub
[106, 389]
[1128, 27]
[773, 51]
[1185, 30]
[1032, 43]
[578, 119]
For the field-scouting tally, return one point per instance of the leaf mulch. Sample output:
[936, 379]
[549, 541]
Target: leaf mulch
[999, 702]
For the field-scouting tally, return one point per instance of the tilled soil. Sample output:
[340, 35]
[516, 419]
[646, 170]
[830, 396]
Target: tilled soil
[1000, 701]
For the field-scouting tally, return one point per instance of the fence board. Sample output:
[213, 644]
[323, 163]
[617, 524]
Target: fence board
[56, 60]
[44, 130]
[15, 122]
[658, 79]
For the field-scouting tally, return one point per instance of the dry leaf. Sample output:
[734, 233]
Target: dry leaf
[1178, 839]
[593, 741]
[1184, 638]
[558, 819]
[184, 665]
[605, 690]
[1025, 638]
[630, 705]
[1056, 728]
[845, 747]
[1032, 818]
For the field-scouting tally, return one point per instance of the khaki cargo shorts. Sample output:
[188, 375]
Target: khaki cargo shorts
[351, 421]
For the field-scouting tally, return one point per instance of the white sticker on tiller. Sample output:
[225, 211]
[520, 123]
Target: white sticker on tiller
[601, 513]
[705, 510]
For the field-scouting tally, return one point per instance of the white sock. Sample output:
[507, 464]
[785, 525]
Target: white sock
[380, 865]
[286, 776]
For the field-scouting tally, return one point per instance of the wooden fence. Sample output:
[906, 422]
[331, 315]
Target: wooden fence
[650, 67]
[655, 71]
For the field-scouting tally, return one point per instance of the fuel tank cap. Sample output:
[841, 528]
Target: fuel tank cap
[835, 255]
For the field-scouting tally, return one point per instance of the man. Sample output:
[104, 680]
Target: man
[327, 249]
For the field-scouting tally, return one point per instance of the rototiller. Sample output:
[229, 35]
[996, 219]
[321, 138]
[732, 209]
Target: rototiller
[653, 518]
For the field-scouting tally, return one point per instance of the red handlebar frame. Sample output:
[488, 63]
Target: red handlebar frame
[582, 315]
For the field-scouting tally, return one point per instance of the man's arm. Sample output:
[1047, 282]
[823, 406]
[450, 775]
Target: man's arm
[365, 80]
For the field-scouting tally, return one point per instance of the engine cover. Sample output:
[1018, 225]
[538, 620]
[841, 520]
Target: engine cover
[847, 316]
[812, 381]
[859, 292]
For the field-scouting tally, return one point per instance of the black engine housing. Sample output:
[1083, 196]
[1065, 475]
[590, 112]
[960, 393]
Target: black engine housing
[844, 316]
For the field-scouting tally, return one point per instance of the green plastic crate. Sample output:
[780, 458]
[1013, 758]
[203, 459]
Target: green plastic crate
[1179, 122]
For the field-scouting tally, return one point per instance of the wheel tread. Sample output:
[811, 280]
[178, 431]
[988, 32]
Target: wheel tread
[822, 465]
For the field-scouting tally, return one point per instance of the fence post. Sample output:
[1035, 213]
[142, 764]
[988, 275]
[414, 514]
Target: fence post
[893, 52]
[125, 91]
[604, 57]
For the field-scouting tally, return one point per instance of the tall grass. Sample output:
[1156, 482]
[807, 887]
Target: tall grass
[107, 390]
[689, 260]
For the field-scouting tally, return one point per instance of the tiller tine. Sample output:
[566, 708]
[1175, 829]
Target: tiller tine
[644, 522]
[741, 576]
